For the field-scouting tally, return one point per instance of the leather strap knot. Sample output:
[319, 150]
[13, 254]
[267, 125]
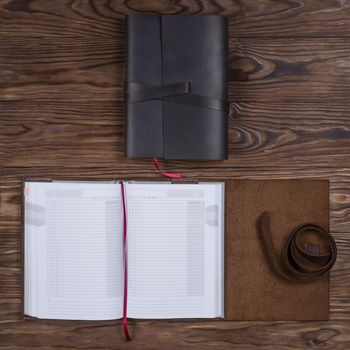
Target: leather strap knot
[299, 263]
[177, 93]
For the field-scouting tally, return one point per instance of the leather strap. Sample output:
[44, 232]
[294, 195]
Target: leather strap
[200, 101]
[177, 93]
[299, 264]
[137, 92]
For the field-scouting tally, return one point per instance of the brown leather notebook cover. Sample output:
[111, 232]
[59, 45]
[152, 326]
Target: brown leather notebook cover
[252, 290]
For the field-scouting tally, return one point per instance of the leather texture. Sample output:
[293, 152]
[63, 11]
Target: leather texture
[253, 290]
[176, 87]
[302, 260]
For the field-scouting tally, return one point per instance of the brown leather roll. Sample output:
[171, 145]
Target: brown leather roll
[310, 251]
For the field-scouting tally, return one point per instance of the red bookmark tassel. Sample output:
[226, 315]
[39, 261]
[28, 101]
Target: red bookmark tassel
[125, 306]
[171, 175]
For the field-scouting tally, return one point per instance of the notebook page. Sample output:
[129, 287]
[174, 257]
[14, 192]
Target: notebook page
[75, 269]
[175, 250]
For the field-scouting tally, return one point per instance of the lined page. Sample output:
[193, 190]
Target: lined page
[78, 259]
[175, 250]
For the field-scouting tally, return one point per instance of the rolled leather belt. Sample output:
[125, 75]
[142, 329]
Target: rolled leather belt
[299, 263]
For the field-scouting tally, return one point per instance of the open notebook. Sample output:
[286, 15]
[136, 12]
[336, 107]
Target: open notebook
[73, 261]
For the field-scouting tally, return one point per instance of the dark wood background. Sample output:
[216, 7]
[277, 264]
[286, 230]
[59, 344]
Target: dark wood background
[62, 116]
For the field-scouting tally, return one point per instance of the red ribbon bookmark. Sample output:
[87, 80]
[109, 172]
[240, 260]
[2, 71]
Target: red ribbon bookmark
[125, 306]
[171, 175]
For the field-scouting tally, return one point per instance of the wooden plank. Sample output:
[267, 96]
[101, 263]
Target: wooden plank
[302, 18]
[279, 70]
[75, 132]
[59, 18]
[285, 134]
[144, 169]
[9, 249]
[58, 69]
[90, 134]
[339, 301]
[64, 18]
[10, 278]
[340, 206]
[10, 310]
[289, 69]
[176, 335]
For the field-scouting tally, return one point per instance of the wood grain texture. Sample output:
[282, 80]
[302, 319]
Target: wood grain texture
[340, 279]
[260, 134]
[279, 70]
[62, 116]
[289, 69]
[340, 206]
[299, 134]
[61, 18]
[99, 18]
[51, 335]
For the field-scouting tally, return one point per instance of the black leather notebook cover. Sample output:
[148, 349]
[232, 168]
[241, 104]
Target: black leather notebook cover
[176, 87]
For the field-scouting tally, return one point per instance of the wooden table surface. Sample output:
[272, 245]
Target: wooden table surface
[62, 116]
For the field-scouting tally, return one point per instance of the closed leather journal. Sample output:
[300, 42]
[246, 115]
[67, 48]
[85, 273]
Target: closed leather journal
[176, 87]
